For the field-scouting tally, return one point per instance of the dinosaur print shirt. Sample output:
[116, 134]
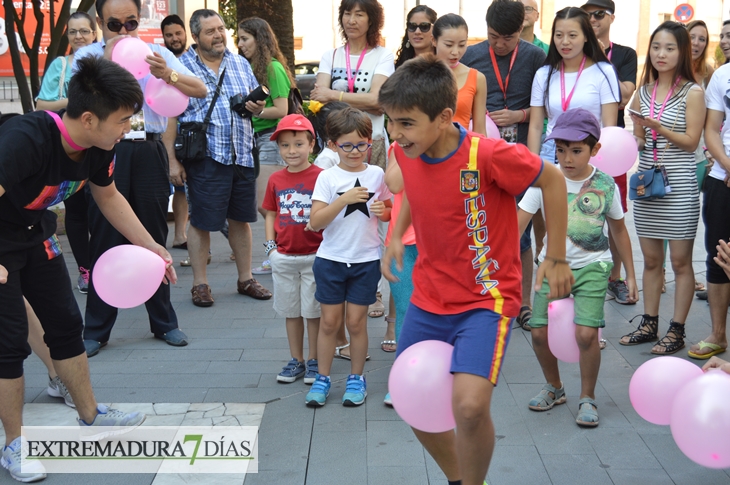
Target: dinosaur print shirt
[590, 201]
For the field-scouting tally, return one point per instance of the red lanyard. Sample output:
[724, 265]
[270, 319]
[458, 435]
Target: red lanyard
[64, 131]
[351, 75]
[661, 110]
[504, 86]
[565, 103]
[610, 51]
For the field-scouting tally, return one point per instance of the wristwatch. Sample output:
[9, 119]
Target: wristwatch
[173, 78]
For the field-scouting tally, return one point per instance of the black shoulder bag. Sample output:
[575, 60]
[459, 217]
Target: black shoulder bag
[191, 143]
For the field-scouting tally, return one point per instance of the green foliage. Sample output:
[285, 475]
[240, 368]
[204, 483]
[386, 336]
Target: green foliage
[228, 11]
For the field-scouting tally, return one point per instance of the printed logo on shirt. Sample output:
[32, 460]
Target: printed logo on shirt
[296, 204]
[53, 247]
[469, 180]
[54, 194]
[111, 166]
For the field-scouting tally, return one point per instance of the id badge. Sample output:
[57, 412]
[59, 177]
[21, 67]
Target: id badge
[508, 133]
[667, 187]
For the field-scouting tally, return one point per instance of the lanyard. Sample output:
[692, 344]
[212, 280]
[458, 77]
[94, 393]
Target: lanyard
[351, 75]
[661, 110]
[64, 131]
[504, 86]
[565, 103]
[610, 51]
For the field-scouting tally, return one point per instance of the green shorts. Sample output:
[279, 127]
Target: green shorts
[589, 293]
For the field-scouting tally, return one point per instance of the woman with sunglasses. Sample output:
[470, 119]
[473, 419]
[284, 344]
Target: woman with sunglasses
[417, 38]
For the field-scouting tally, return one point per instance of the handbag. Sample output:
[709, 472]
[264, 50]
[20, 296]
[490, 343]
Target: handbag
[191, 143]
[294, 102]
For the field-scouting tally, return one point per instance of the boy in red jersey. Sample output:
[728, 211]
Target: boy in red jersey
[460, 190]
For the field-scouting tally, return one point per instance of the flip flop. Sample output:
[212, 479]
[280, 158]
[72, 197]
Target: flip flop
[180, 246]
[716, 349]
[340, 355]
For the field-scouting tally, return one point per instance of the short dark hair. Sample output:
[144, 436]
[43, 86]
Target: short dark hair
[197, 16]
[375, 17]
[506, 16]
[100, 6]
[349, 120]
[102, 87]
[171, 20]
[319, 121]
[590, 140]
[425, 83]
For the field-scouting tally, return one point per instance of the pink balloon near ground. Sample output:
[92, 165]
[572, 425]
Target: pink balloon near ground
[421, 386]
[131, 54]
[700, 419]
[126, 276]
[617, 153]
[163, 99]
[655, 385]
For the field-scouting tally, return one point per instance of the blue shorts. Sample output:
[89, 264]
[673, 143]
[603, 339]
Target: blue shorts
[176, 188]
[217, 192]
[479, 337]
[547, 152]
[355, 283]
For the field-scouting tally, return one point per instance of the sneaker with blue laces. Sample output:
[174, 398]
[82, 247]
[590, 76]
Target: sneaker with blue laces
[355, 391]
[109, 422]
[291, 372]
[317, 395]
[14, 455]
[312, 369]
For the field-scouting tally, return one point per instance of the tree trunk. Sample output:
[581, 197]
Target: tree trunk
[279, 14]
[23, 90]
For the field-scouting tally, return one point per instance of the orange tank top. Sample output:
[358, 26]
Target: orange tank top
[465, 99]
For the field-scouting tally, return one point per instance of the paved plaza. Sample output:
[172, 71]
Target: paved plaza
[239, 345]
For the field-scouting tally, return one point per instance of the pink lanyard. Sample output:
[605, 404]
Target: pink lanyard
[610, 51]
[661, 110]
[351, 75]
[64, 131]
[565, 103]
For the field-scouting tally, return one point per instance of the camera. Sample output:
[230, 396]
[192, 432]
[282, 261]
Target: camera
[238, 102]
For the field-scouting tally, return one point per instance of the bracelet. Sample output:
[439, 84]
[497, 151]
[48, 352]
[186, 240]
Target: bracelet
[270, 245]
[342, 93]
[524, 115]
[260, 113]
[556, 260]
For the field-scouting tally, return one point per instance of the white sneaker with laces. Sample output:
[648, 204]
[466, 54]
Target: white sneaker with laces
[15, 455]
[56, 388]
[109, 422]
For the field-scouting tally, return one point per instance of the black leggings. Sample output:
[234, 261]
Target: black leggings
[77, 226]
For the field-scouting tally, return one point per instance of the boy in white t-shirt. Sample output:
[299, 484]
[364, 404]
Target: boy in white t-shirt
[348, 200]
[593, 200]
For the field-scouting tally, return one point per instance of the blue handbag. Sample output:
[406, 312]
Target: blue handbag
[647, 185]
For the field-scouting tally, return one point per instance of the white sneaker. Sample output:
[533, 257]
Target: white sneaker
[14, 455]
[56, 388]
[109, 422]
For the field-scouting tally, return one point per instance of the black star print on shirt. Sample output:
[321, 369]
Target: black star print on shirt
[360, 206]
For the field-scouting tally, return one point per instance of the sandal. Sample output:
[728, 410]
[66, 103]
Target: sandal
[587, 413]
[377, 309]
[545, 402]
[664, 284]
[524, 319]
[672, 341]
[340, 355]
[699, 286]
[390, 343]
[646, 331]
[602, 343]
[714, 350]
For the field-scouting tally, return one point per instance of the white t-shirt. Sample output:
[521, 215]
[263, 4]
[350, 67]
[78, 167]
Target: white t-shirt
[327, 158]
[587, 240]
[717, 95]
[377, 61]
[598, 85]
[352, 237]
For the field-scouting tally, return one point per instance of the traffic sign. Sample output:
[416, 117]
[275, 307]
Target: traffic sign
[684, 12]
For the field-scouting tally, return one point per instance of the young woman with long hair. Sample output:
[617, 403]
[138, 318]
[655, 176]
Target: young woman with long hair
[418, 34]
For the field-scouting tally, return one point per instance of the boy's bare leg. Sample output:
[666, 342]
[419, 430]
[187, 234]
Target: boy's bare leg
[442, 448]
[35, 339]
[357, 326]
[528, 265]
[341, 335]
[590, 359]
[295, 336]
[547, 360]
[475, 439]
[312, 334]
[11, 407]
[74, 373]
[329, 325]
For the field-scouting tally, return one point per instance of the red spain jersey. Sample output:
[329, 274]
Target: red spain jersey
[465, 220]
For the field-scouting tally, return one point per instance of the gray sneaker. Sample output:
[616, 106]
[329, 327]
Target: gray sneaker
[619, 290]
[56, 388]
[14, 455]
[109, 422]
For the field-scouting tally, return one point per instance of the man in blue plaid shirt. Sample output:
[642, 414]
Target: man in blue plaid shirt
[223, 185]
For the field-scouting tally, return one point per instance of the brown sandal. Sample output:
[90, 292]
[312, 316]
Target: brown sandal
[253, 289]
[646, 331]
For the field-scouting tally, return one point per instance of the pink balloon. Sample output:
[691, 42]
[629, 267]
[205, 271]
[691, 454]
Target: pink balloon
[421, 384]
[655, 385]
[561, 330]
[492, 130]
[163, 99]
[126, 276]
[130, 53]
[617, 153]
[700, 419]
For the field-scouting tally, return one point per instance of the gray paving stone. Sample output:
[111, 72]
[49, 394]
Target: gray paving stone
[162, 394]
[276, 477]
[393, 444]
[622, 476]
[183, 354]
[517, 464]
[621, 448]
[335, 455]
[402, 475]
[180, 381]
[680, 469]
[147, 367]
[562, 469]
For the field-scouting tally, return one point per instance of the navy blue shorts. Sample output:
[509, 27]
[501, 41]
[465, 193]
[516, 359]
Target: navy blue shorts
[217, 192]
[177, 188]
[355, 283]
[479, 337]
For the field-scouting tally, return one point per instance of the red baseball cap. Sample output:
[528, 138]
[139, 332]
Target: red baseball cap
[295, 122]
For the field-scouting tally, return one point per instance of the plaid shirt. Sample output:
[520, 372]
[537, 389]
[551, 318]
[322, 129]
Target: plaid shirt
[230, 137]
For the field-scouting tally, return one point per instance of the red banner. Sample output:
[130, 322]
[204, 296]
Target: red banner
[153, 11]
[6, 66]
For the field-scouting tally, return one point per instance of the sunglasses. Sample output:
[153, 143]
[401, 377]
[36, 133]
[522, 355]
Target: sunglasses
[423, 27]
[599, 14]
[116, 26]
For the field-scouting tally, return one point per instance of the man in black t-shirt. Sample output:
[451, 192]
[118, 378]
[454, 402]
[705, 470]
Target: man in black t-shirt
[602, 13]
[44, 159]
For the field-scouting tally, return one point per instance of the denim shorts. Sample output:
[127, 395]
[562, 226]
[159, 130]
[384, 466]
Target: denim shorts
[479, 337]
[355, 283]
[268, 150]
[547, 152]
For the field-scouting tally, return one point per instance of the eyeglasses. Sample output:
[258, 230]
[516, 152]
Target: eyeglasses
[116, 25]
[423, 27]
[530, 9]
[83, 32]
[349, 147]
[599, 14]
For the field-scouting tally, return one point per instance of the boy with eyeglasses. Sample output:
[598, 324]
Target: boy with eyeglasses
[347, 201]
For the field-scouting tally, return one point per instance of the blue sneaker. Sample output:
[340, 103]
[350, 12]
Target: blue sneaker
[312, 369]
[388, 401]
[317, 395]
[293, 371]
[355, 391]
